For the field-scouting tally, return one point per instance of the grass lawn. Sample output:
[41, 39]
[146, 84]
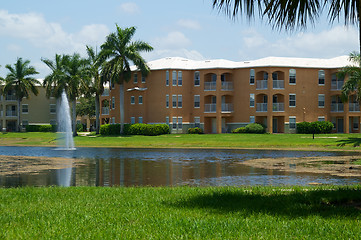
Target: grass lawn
[292, 141]
[326, 212]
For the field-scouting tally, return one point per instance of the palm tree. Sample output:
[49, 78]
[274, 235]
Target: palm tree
[353, 83]
[20, 80]
[119, 51]
[55, 82]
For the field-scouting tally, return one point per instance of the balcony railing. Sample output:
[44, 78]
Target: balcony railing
[278, 107]
[106, 92]
[353, 107]
[261, 107]
[336, 85]
[10, 98]
[336, 107]
[105, 110]
[227, 86]
[278, 84]
[262, 84]
[210, 108]
[227, 107]
[210, 86]
[11, 113]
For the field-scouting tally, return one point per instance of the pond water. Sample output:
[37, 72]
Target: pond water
[154, 167]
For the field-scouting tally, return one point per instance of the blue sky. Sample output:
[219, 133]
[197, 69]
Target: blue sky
[189, 28]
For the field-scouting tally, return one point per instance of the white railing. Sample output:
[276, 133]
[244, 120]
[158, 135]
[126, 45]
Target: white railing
[210, 108]
[11, 113]
[227, 107]
[10, 98]
[336, 85]
[227, 86]
[278, 107]
[278, 84]
[210, 86]
[261, 107]
[353, 107]
[105, 110]
[336, 107]
[262, 84]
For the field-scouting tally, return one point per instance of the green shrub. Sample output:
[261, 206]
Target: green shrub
[110, 129]
[239, 130]
[304, 127]
[255, 128]
[195, 130]
[80, 127]
[40, 128]
[314, 127]
[135, 129]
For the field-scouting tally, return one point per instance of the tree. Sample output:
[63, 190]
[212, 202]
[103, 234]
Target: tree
[119, 51]
[85, 107]
[353, 83]
[20, 80]
[55, 82]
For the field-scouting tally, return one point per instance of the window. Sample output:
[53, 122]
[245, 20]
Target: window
[292, 122]
[197, 122]
[167, 101]
[180, 122]
[140, 120]
[355, 123]
[265, 75]
[197, 101]
[292, 76]
[174, 78]
[143, 79]
[113, 120]
[132, 120]
[140, 100]
[321, 100]
[180, 78]
[167, 120]
[251, 76]
[251, 119]
[251, 100]
[174, 122]
[321, 119]
[112, 83]
[321, 77]
[113, 102]
[174, 101]
[197, 78]
[180, 101]
[292, 100]
[132, 100]
[135, 78]
[52, 108]
[25, 109]
[167, 78]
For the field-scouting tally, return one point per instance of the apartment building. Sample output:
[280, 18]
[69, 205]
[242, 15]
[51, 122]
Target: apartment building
[34, 110]
[221, 95]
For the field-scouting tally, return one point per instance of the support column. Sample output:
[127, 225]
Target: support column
[347, 124]
[270, 123]
[219, 104]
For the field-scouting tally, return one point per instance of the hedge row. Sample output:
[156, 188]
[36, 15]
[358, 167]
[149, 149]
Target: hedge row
[40, 128]
[135, 129]
[314, 127]
[250, 128]
[195, 130]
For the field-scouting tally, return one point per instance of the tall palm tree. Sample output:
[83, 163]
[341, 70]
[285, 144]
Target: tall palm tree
[353, 83]
[20, 80]
[55, 82]
[119, 51]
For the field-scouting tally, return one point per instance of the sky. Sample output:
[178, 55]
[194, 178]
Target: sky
[191, 29]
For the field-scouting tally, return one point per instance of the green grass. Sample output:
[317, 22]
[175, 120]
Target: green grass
[180, 213]
[292, 141]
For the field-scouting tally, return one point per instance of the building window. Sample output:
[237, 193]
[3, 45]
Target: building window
[167, 120]
[112, 84]
[355, 123]
[292, 100]
[167, 101]
[265, 75]
[140, 100]
[251, 76]
[113, 120]
[174, 101]
[135, 78]
[140, 120]
[292, 122]
[321, 100]
[197, 99]
[251, 100]
[174, 78]
[292, 76]
[180, 122]
[180, 101]
[180, 78]
[52, 108]
[113, 102]
[251, 119]
[132, 100]
[167, 78]
[25, 108]
[197, 78]
[174, 122]
[321, 119]
[321, 77]
[197, 122]
[132, 120]
[143, 79]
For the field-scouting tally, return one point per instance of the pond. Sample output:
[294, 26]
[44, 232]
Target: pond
[152, 167]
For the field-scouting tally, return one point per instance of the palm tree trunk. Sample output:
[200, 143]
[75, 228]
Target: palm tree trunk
[19, 125]
[97, 113]
[74, 118]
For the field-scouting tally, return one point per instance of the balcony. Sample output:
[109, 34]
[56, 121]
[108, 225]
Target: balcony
[336, 107]
[210, 108]
[227, 107]
[11, 113]
[105, 92]
[10, 98]
[261, 107]
[210, 86]
[278, 84]
[227, 86]
[1, 113]
[353, 107]
[278, 107]
[336, 85]
[105, 110]
[262, 84]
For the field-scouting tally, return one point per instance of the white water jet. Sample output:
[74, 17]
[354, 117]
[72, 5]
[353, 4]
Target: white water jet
[65, 133]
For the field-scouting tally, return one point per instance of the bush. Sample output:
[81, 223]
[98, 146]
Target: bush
[110, 129]
[239, 130]
[40, 128]
[314, 127]
[195, 130]
[135, 129]
[255, 128]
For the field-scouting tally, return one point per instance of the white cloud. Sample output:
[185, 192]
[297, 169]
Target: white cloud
[13, 48]
[172, 40]
[190, 24]
[129, 8]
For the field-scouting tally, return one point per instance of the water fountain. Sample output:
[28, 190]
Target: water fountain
[65, 141]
